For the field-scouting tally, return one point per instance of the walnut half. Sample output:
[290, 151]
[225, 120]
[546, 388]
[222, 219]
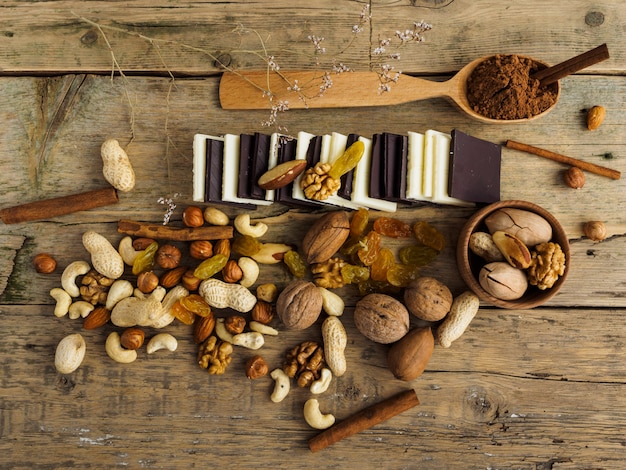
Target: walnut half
[317, 184]
[546, 265]
[305, 363]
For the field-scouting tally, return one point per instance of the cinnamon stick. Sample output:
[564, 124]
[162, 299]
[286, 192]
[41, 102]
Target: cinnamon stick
[63, 205]
[586, 59]
[181, 234]
[365, 419]
[590, 167]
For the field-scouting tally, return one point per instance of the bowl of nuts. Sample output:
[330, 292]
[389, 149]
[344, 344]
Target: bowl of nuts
[513, 254]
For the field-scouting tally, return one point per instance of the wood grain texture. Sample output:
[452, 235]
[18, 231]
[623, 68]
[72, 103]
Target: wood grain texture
[532, 389]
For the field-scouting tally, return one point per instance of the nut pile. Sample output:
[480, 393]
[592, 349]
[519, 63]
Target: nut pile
[517, 252]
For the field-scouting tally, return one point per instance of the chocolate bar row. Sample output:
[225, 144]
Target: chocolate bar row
[456, 169]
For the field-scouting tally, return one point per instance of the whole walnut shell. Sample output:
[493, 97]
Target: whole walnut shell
[407, 359]
[427, 298]
[381, 318]
[326, 236]
[299, 305]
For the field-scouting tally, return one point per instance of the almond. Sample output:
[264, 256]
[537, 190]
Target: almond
[595, 117]
[281, 175]
[203, 327]
[172, 277]
[98, 317]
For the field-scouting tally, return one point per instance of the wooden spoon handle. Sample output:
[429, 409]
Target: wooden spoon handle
[301, 89]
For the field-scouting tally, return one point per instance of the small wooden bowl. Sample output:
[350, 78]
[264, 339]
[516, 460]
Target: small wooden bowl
[469, 264]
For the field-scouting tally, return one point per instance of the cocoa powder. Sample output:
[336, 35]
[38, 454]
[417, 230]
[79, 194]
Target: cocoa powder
[502, 88]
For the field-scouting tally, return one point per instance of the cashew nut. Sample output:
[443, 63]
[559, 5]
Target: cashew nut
[80, 309]
[250, 270]
[262, 328]
[162, 341]
[282, 385]
[221, 331]
[215, 216]
[126, 250]
[250, 340]
[119, 290]
[322, 384]
[70, 273]
[114, 349]
[314, 417]
[64, 300]
[164, 317]
[242, 225]
[331, 302]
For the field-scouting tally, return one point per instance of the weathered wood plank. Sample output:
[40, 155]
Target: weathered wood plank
[488, 401]
[51, 37]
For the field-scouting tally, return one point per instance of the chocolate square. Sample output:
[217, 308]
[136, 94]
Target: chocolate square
[346, 180]
[286, 152]
[474, 174]
[260, 153]
[214, 167]
[245, 166]
[395, 154]
[376, 189]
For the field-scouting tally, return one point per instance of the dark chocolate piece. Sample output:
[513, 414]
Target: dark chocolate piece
[345, 190]
[376, 188]
[245, 166]
[214, 169]
[259, 164]
[474, 174]
[394, 164]
[286, 152]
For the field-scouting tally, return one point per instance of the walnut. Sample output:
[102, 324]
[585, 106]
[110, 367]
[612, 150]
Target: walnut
[95, 287]
[305, 363]
[547, 264]
[317, 184]
[215, 355]
[328, 274]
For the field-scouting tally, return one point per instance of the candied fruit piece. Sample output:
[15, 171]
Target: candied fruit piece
[359, 222]
[371, 246]
[400, 275]
[295, 262]
[429, 236]
[246, 245]
[352, 274]
[182, 314]
[417, 255]
[384, 260]
[196, 304]
[391, 227]
[347, 161]
[211, 266]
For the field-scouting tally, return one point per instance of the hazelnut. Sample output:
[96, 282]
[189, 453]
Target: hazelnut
[595, 230]
[201, 249]
[263, 312]
[235, 324]
[132, 338]
[222, 247]
[267, 292]
[147, 281]
[44, 263]
[167, 256]
[232, 273]
[574, 177]
[256, 367]
[193, 217]
[190, 281]
[142, 243]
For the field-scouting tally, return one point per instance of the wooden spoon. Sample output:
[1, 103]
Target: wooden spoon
[245, 90]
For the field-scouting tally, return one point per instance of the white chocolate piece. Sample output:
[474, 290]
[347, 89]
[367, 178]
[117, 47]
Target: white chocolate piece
[415, 168]
[304, 139]
[441, 168]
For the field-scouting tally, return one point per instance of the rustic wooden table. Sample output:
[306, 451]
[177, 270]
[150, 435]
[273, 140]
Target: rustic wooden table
[541, 388]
